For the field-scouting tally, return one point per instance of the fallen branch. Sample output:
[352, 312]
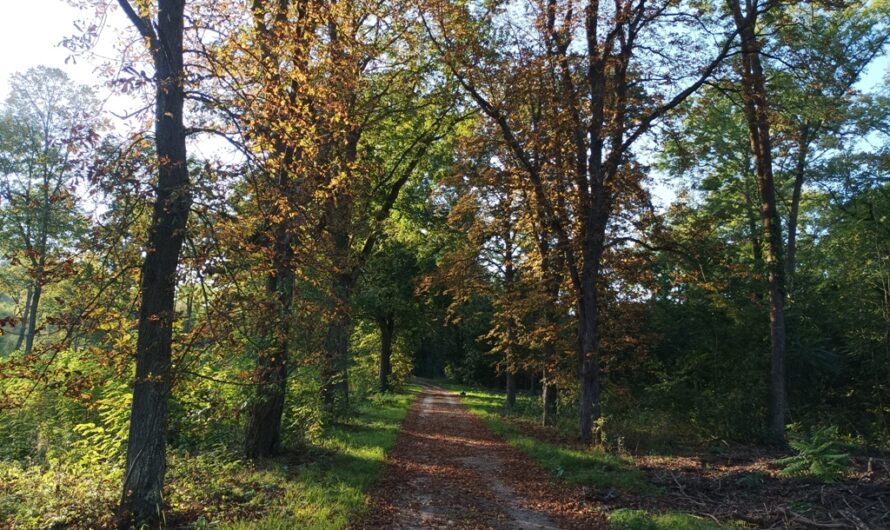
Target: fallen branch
[793, 516]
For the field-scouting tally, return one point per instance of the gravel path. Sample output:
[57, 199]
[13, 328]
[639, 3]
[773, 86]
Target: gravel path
[448, 470]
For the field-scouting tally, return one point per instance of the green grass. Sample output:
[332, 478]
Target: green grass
[332, 487]
[594, 467]
[322, 486]
[642, 520]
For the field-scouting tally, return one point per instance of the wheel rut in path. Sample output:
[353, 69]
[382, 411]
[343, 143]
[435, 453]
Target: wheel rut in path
[448, 470]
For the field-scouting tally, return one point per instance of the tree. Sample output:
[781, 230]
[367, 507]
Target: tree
[756, 110]
[580, 74]
[46, 123]
[395, 111]
[486, 218]
[276, 128]
[387, 296]
[824, 53]
[810, 65]
[162, 30]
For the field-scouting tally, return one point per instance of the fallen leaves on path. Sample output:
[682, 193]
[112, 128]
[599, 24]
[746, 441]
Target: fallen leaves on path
[448, 470]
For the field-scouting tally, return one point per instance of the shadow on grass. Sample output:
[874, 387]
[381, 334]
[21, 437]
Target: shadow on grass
[331, 480]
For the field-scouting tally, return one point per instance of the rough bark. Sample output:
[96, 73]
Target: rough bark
[141, 499]
[335, 363]
[263, 434]
[589, 312]
[752, 212]
[510, 386]
[387, 326]
[263, 427]
[757, 116]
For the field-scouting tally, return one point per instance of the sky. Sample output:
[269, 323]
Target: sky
[31, 32]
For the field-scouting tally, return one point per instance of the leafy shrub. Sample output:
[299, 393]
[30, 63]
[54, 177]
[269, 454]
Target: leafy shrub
[817, 455]
[103, 442]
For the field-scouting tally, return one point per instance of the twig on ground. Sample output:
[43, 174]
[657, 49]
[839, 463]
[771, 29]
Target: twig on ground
[793, 516]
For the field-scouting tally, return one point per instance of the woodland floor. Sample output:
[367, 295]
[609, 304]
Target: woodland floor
[450, 470]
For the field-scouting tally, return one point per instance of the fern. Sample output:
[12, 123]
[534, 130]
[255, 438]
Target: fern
[817, 455]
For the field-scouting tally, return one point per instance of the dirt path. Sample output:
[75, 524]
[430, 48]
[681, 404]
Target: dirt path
[448, 470]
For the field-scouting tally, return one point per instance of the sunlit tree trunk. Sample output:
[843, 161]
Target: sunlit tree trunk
[26, 312]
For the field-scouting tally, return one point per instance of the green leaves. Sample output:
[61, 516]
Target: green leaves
[817, 455]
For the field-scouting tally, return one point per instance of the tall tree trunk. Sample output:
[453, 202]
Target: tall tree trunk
[146, 459]
[551, 264]
[757, 116]
[263, 427]
[263, 435]
[335, 365]
[589, 316]
[752, 213]
[26, 315]
[31, 329]
[387, 326]
[588, 361]
[549, 398]
[335, 361]
[510, 385]
[800, 167]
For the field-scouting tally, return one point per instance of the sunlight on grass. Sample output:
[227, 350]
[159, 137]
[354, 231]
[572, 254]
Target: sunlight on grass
[626, 519]
[320, 486]
[594, 467]
[332, 487]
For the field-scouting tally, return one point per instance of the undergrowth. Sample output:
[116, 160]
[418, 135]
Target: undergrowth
[818, 455]
[319, 485]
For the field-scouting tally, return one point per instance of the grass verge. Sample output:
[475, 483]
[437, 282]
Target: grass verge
[331, 488]
[625, 519]
[594, 467]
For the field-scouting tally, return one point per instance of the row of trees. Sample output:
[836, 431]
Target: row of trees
[468, 183]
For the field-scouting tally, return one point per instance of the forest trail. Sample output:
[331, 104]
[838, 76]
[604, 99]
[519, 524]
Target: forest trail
[448, 470]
